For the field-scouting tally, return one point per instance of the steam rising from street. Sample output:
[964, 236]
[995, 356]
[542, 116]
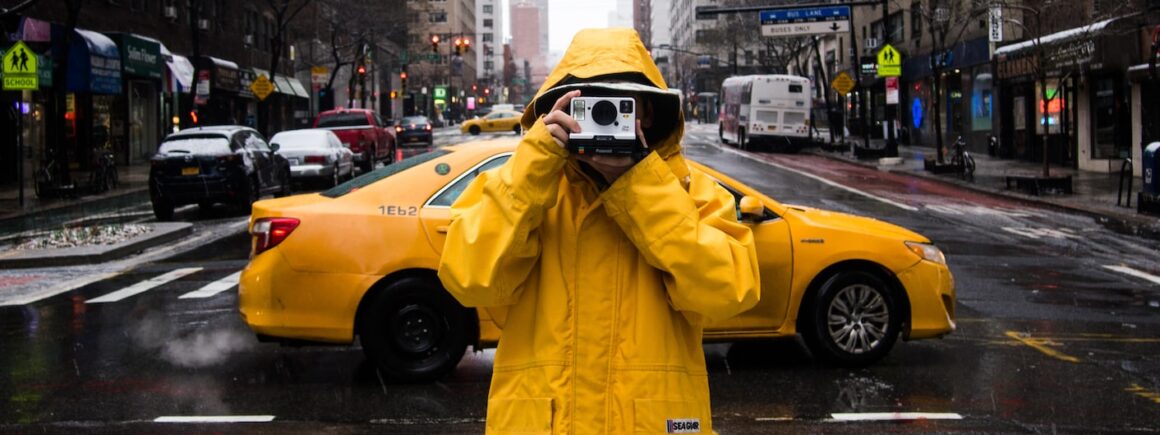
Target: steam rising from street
[197, 349]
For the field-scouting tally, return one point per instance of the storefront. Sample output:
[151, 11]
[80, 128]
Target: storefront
[1079, 114]
[218, 108]
[965, 91]
[178, 83]
[140, 120]
[93, 85]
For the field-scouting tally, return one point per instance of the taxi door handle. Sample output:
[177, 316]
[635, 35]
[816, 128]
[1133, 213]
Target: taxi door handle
[442, 229]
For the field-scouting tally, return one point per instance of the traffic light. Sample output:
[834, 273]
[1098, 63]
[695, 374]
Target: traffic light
[486, 91]
[434, 43]
[394, 95]
[461, 45]
[362, 70]
[473, 87]
[403, 78]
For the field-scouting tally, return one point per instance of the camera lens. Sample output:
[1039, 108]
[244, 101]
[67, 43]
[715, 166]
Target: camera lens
[604, 112]
[626, 106]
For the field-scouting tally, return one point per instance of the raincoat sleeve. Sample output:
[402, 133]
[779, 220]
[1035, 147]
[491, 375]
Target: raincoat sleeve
[493, 240]
[692, 236]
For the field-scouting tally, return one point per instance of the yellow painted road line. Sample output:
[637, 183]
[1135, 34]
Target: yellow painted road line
[1041, 344]
[1136, 389]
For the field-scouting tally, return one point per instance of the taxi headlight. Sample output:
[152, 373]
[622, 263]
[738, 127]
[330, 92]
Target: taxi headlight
[927, 252]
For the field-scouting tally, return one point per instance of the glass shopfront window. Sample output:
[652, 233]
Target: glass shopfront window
[981, 100]
[1108, 111]
[1049, 111]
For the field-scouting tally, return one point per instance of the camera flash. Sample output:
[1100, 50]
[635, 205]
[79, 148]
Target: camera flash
[578, 110]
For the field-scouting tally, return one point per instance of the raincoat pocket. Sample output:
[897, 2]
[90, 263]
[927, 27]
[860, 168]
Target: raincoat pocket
[656, 416]
[519, 416]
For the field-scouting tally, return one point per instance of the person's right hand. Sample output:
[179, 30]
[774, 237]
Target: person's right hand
[559, 123]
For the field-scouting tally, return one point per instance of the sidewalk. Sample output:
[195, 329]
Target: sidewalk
[1094, 194]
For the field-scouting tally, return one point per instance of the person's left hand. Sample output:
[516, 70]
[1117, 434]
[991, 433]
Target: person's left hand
[613, 166]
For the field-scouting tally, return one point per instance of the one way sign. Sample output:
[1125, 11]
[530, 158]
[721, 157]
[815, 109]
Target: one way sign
[805, 21]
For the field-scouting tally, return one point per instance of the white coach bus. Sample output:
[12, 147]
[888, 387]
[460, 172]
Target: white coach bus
[771, 110]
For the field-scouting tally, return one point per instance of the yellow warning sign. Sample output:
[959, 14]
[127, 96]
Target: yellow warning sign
[262, 87]
[842, 83]
[20, 68]
[889, 62]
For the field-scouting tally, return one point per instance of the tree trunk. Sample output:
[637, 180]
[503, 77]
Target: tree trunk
[938, 130]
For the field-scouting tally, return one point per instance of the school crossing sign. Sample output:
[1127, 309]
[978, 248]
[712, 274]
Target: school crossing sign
[20, 68]
[889, 62]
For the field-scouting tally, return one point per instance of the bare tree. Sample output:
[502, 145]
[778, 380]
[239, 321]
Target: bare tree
[948, 21]
[6, 11]
[283, 13]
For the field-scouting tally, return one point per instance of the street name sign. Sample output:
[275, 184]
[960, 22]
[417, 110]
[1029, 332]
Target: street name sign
[805, 21]
[889, 62]
[20, 68]
[262, 87]
[843, 83]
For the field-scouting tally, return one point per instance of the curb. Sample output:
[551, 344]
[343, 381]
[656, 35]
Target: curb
[163, 232]
[1139, 226]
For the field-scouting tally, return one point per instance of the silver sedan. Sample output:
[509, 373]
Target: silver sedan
[315, 154]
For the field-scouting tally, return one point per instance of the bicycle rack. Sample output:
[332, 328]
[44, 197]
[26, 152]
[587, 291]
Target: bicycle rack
[1125, 171]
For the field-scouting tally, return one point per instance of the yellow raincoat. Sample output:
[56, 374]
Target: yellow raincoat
[604, 291]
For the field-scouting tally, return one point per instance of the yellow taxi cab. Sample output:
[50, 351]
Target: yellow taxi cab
[496, 121]
[360, 260]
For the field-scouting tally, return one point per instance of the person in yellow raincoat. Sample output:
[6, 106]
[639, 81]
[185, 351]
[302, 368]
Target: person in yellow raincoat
[606, 267]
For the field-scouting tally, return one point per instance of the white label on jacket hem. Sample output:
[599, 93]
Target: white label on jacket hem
[684, 425]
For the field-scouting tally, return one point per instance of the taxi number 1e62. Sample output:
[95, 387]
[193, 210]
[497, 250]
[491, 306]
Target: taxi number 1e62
[398, 210]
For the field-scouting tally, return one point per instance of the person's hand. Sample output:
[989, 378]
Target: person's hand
[613, 166]
[559, 123]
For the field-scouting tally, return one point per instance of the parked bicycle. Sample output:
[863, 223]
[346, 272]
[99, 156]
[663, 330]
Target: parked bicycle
[962, 160]
[104, 175]
[49, 183]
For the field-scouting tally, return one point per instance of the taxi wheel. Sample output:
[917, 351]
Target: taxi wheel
[413, 330]
[853, 320]
[516, 129]
[474, 130]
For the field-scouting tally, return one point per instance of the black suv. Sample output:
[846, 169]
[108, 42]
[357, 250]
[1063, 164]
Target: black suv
[207, 165]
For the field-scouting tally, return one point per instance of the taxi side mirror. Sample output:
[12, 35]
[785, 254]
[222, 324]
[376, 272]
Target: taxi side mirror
[751, 209]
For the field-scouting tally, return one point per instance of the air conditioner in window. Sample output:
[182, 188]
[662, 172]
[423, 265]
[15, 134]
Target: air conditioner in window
[871, 43]
[203, 24]
[248, 39]
[171, 12]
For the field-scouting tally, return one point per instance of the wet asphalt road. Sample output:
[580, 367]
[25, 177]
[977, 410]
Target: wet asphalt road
[1054, 337]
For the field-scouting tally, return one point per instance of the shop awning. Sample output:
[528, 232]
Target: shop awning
[1055, 37]
[282, 85]
[180, 71]
[298, 89]
[224, 73]
[94, 61]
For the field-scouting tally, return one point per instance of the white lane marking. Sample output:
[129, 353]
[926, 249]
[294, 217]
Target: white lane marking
[144, 286]
[58, 289]
[823, 180]
[214, 419]
[1036, 233]
[880, 416]
[1133, 272]
[215, 287]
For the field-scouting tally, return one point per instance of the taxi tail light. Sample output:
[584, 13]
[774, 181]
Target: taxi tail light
[315, 159]
[269, 232]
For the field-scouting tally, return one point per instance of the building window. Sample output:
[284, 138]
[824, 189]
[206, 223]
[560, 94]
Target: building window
[487, 9]
[749, 57]
[488, 65]
[487, 37]
[916, 23]
[437, 17]
[488, 23]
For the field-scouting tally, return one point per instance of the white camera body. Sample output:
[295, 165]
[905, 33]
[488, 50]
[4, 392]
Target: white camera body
[607, 125]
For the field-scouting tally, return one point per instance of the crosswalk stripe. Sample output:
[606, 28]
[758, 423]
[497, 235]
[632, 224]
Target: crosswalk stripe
[1133, 272]
[215, 287]
[144, 286]
[881, 416]
[214, 419]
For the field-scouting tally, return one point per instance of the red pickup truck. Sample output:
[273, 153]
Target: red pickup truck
[363, 131]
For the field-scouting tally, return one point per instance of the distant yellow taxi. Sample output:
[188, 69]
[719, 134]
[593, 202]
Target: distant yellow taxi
[360, 260]
[496, 121]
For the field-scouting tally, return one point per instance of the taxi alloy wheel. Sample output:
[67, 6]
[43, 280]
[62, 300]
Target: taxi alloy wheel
[854, 319]
[413, 330]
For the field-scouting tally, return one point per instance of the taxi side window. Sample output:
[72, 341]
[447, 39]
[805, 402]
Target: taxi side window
[448, 196]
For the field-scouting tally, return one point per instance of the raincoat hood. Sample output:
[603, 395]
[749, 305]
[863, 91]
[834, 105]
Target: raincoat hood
[614, 61]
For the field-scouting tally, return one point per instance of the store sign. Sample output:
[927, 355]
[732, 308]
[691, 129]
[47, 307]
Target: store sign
[869, 67]
[318, 76]
[996, 24]
[140, 57]
[201, 95]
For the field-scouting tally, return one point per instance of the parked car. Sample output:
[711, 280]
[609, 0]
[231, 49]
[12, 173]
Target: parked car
[363, 131]
[496, 121]
[208, 165]
[318, 271]
[414, 130]
[315, 154]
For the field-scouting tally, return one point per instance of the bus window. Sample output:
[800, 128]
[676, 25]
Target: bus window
[795, 89]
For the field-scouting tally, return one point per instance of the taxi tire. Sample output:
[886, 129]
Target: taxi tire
[394, 330]
[815, 314]
[517, 129]
[474, 130]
